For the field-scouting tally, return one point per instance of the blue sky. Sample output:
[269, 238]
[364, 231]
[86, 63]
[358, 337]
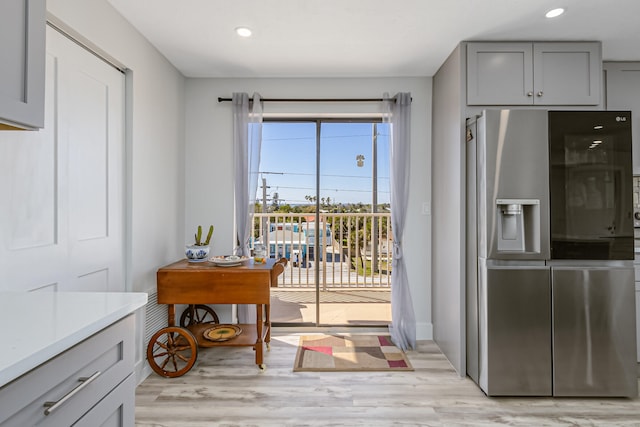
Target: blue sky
[288, 162]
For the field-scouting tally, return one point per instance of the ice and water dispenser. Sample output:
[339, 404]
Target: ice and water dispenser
[518, 225]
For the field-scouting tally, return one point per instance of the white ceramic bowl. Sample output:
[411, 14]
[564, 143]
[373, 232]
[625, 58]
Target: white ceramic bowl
[196, 252]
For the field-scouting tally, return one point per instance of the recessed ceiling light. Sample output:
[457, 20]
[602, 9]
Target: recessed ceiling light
[243, 31]
[554, 12]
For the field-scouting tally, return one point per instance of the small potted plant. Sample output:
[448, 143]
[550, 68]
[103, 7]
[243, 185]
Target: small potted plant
[199, 251]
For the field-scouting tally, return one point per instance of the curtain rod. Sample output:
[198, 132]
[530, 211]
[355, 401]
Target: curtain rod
[221, 99]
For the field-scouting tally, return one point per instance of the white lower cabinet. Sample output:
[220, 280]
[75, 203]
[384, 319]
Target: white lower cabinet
[90, 384]
[117, 409]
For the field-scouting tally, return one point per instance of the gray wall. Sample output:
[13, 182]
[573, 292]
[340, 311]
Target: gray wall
[448, 273]
[209, 156]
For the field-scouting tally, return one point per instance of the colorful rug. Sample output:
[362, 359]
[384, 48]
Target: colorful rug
[349, 353]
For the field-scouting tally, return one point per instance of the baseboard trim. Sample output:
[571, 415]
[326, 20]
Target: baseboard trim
[424, 331]
[142, 370]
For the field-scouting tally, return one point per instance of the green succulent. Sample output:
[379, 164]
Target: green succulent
[198, 236]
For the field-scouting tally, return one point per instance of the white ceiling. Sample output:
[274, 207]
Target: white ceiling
[363, 38]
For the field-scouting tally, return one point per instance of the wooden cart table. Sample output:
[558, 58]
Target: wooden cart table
[172, 351]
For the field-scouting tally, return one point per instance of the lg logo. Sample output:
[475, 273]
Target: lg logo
[621, 119]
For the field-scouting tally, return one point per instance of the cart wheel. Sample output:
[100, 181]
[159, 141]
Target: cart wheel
[172, 351]
[198, 313]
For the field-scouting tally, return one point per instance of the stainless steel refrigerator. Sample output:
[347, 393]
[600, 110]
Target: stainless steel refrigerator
[550, 279]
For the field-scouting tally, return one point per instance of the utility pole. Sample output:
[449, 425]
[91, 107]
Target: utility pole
[264, 217]
[374, 207]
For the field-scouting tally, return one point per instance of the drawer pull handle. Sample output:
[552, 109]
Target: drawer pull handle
[84, 381]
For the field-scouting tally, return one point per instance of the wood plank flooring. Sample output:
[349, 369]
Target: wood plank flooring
[225, 388]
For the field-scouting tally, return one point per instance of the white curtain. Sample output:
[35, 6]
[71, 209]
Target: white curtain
[247, 139]
[398, 116]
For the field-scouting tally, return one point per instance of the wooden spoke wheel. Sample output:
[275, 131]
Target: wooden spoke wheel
[172, 351]
[198, 313]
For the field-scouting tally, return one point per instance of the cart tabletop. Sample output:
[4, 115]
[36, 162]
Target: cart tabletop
[185, 265]
[185, 282]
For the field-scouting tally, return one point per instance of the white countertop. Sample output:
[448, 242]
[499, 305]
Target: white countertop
[37, 326]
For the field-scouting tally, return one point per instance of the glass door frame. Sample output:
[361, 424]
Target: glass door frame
[316, 248]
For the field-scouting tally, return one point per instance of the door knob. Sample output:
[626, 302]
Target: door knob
[539, 93]
[529, 93]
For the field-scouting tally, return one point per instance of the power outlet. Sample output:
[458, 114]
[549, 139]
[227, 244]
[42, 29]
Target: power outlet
[426, 208]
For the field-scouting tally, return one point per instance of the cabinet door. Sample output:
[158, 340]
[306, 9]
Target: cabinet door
[117, 409]
[623, 93]
[567, 73]
[499, 74]
[22, 22]
[107, 357]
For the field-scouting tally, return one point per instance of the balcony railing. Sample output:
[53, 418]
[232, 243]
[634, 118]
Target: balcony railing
[353, 251]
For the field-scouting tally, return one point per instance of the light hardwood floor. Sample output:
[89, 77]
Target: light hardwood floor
[225, 388]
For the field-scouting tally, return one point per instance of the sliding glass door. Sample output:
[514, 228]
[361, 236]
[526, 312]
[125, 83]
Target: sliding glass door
[324, 205]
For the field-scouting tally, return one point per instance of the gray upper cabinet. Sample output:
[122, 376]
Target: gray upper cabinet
[623, 93]
[534, 73]
[499, 73]
[22, 63]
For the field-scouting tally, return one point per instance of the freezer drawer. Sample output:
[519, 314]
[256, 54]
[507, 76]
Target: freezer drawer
[594, 336]
[515, 345]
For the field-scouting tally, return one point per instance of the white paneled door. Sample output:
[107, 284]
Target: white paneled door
[62, 188]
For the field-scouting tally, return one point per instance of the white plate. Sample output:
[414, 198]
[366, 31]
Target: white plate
[228, 260]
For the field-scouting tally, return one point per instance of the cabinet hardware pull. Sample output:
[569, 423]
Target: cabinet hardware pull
[529, 93]
[540, 93]
[84, 381]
